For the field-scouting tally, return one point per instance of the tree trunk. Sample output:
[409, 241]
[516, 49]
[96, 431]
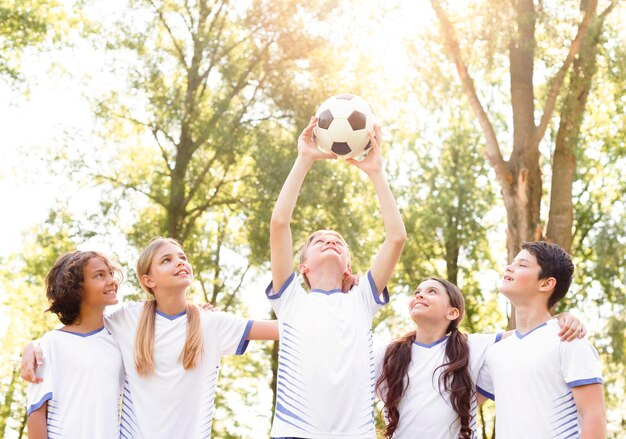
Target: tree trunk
[561, 215]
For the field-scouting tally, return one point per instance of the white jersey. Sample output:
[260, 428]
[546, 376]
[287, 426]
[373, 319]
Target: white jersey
[425, 410]
[326, 364]
[82, 384]
[173, 402]
[532, 375]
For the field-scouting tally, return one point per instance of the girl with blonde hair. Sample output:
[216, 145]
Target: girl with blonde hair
[171, 350]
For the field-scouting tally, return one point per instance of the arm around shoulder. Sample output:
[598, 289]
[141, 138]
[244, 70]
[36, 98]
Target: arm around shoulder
[263, 330]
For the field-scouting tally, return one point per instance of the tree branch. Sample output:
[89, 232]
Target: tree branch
[557, 81]
[179, 51]
[492, 150]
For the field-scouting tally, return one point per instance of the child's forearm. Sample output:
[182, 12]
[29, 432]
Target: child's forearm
[286, 202]
[392, 220]
[280, 232]
[395, 233]
[37, 426]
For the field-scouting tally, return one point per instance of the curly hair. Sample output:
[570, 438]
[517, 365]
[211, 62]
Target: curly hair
[65, 280]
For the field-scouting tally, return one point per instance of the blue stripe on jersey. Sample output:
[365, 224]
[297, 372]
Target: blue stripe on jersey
[291, 407]
[271, 295]
[520, 335]
[564, 417]
[584, 382]
[86, 334]
[37, 405]
[243, 343]
[128, 421]
[486, 394]
[377, 298]
[171, 317]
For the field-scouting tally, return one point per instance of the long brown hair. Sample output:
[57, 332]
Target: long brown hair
[144, 338]
[455, 379]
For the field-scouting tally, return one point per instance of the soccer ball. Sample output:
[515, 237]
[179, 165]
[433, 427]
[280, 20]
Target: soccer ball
[342, 126]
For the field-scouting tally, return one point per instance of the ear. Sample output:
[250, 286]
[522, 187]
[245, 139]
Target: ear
[303, 268]
[546, 285]
[452, 314]
[145, 279]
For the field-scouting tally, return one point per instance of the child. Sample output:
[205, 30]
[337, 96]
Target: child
[79, 394]
[171, 351]
[545, 388]
[325, 383]
[426, 379]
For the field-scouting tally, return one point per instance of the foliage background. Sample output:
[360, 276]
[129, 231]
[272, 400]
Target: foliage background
[126, 119]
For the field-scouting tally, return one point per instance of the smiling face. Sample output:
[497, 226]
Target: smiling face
[431, 302]
[99, 286]
[169, 269]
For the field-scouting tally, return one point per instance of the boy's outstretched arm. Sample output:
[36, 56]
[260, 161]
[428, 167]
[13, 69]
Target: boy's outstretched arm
[280, 231]
[395, 233]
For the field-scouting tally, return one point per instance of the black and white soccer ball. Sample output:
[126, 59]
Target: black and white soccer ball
[342, 126]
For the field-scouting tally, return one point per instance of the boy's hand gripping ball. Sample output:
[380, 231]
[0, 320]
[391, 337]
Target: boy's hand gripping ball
[342, 126]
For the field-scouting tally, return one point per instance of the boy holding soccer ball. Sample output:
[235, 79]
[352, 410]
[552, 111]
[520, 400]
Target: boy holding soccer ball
[325, 385]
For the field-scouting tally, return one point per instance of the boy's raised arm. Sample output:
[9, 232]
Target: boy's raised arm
[395, 233]
[280, 231]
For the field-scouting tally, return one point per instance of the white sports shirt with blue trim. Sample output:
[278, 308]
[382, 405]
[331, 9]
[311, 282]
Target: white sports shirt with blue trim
[173, 402]
[425, 410]
[531, 375]
[82, 383]
[326, 370]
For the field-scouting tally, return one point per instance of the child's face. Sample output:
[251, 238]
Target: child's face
[431, 301]
[99, 285]
[169, 269]
[325, 247]
[521, 276]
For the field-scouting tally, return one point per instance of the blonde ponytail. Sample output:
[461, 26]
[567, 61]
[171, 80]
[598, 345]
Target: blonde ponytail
[144, 340]
[192, 352]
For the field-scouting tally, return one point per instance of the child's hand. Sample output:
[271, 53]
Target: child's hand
[31, 358]
[349, 281]
[571, 327]
[307, 148]
[374, 161]
[206, 306]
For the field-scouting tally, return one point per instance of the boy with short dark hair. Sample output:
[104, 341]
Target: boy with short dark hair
[546, 388]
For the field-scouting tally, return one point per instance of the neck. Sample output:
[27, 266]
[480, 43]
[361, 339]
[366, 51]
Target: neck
[528, 317]
[427, 333]
[171, 302]
[325, 280]
[88, 320]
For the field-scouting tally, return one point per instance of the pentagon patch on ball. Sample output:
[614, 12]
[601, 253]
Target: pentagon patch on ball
[342, 126]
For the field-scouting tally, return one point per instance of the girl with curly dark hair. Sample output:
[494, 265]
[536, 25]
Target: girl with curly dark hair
[80, 383]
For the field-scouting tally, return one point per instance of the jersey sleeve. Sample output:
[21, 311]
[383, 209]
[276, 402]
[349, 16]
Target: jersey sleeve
[580, 363]
[283, 299]
[38, 394]
[232, 332]
[374, 300]
[484, 384]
